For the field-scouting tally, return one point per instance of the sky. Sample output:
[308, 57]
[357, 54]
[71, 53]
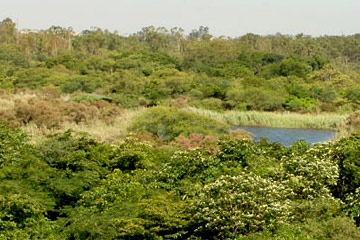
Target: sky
[231, 18]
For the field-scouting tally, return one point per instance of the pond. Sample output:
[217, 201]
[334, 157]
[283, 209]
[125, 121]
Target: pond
[286, 136]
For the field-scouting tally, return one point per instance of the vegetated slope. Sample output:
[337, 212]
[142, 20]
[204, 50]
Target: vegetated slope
[179, 174]
[71, 187]
[157, 66]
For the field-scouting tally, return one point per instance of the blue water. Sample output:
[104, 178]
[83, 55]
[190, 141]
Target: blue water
[286, 136]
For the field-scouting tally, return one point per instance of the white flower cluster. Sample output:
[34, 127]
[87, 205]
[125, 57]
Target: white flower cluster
[244, 203]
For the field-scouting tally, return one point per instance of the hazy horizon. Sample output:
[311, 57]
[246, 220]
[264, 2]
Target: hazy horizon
[224, 18]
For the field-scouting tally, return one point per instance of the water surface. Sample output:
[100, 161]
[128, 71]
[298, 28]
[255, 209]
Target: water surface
[286, 136]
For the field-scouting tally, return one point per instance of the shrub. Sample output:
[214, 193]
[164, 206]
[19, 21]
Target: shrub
[255, 99]
[169, 122]
[312, 173]
[82, 83]
[77, 162]
[335, 228]
[131, 155]
[239, 205]
[12, 144]
[23, 217]
[46, 110]
[353, 121]
[213, 104]
[346, 154]
[12, 53]
[353, 205]
[195, 141]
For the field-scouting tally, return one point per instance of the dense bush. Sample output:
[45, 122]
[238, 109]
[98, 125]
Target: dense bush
[169, 122]
[241, 204]
[69, 186]
[52, 111]
[354, 121]
[157, 65]
[196, 180]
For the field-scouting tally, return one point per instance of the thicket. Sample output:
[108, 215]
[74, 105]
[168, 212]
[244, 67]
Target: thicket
[69, 186]
[157, 66]
[49, 109]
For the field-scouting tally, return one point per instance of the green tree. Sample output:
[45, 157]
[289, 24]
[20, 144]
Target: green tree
[8, 32]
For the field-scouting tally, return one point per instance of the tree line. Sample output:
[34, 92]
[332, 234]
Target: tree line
[156, 66]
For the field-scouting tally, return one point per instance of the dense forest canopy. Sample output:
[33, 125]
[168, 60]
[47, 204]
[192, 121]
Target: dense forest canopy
[104, 136]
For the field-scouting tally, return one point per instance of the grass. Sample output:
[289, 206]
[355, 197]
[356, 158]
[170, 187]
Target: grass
[97, 129]
[111, 128]
[332, 121]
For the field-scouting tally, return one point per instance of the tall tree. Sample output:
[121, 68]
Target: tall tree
[7, 31]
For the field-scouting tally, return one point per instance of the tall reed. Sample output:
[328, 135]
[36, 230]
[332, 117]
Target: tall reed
[276, 119]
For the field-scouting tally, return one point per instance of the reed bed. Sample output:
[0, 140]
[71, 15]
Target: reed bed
[271, 119]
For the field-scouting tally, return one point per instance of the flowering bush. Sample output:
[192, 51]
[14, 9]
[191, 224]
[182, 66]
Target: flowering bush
[234, 205]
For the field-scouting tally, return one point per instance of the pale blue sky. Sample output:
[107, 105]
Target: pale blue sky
[223, 17]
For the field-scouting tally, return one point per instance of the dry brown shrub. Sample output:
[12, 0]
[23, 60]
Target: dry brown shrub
[106, 110]
[8, 116]
[82, 112]
[196, 141]
[40, 112]
[48, 108]
[179, 102]
[206, 142]
[50, 92]
[4, 93]
[240, 134]
[157, 141]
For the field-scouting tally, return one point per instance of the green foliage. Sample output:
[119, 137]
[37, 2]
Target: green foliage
[12, 144]
[72, 187]
[335, 228]
[33, 78]
[169, 122]
[127, 82]
[78, 163]
[353, 205]
[294, 66]
[157, 65]
[22, 217]
[353, 94]
[300, 104]
[213, 104]
[12, 54]
[122, 207]
[324, 94]
[346, 153]
[212, 87]
[255, 60]
[69, 186]
[230, 70]
[132, 155]
[89, 97]
[185, 168]
[70, 61]
[310, 174]
[239, 151]
[82, 83]
[241, 204]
